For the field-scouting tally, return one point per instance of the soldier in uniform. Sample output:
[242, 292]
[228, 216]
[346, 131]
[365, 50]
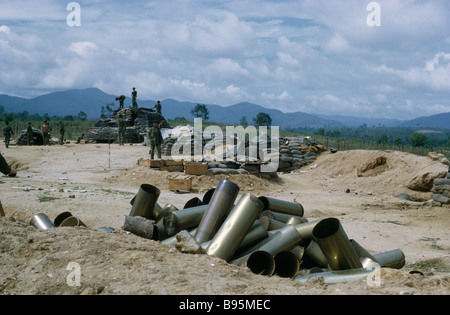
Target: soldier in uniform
[122, 129]
[156, 139]
[7, 132]
[121, 100]
[62, 131]
[5, 168]
[46, 129]
[158, 107]
[29, 133]
[134, 98]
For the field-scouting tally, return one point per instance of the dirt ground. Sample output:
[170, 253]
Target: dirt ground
[96, 182]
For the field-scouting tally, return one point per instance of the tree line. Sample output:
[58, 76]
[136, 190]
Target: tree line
[26, 116]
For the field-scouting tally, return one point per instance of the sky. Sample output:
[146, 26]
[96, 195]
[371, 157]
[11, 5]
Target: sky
[383, 59]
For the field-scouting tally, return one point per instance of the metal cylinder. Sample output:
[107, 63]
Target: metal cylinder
[313, 256]
[367, 259]
[260, 258]
[287, 264]
[41, 222]
[288, 207]
[208, 195]
[145, 202]
[275, 225]
[285, 218]
[194, 202]
[228, 238]
[340, 276]
[72, 222]
[394, 259]
[260, 263]
[219, 207]
[184, 219]
[168, 207]
[293, 220]
[141, 227]
[255, 234]
[305, 230]
[61, 217]
[335, 245]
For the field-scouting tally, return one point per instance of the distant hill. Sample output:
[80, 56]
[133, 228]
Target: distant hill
[435, 121]
[91, 100]
[351, 121]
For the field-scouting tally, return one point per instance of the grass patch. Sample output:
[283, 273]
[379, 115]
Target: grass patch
[433, 241]
[47, 198]
[118, 192]
[428, 265]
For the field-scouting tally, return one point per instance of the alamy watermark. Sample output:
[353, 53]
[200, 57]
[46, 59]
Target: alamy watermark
[74, 17]
[74, 277]
[374, 18]
[249, 144]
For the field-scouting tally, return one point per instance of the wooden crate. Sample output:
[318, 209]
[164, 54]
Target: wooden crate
[180, 184]
[156, 163]
[193, 168]
[172, 168]
[142, 162]
[173, 163]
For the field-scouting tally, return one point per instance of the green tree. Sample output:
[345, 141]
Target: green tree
[200, 111]
[262, 119]
[418, 140]
[82, 116]
[320, 132]
[243, 122]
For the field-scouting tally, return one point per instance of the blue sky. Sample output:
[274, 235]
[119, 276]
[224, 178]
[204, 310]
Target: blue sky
[315, 56]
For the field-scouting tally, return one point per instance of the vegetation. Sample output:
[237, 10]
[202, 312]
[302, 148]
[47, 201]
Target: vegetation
[415, 140]
[200, 111]
[262, 119]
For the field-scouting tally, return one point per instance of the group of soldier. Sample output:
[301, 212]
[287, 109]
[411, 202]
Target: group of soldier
[154, 133]
[134, 94]
[46, 132]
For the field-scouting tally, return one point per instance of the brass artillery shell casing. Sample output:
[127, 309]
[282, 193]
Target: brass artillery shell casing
[144, 204]
[282, 206]
[235, 227]
[219, 207]
[335, 245]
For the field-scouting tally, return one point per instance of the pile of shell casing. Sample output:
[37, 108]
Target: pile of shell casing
[268, 235]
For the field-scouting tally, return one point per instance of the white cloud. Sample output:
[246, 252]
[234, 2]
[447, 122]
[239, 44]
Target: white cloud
[310, 55]
[5, 29]
[83, 48]
[434, 75]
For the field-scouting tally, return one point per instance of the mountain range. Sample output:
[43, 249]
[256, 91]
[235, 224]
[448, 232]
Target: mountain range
[91, 100]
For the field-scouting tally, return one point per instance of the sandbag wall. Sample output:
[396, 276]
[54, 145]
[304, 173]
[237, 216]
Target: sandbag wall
[294, 153]
[267, 235]
[441, 191]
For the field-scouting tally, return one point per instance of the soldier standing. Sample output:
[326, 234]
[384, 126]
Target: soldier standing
[29, 133]
[134, 98]
[158, 107]
[156, 139]
[7, 132]
[62, 131]
[46, 133]
[122, 129]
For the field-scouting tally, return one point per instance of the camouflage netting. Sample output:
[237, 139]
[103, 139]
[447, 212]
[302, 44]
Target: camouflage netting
[138, 120]
[37, 137]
